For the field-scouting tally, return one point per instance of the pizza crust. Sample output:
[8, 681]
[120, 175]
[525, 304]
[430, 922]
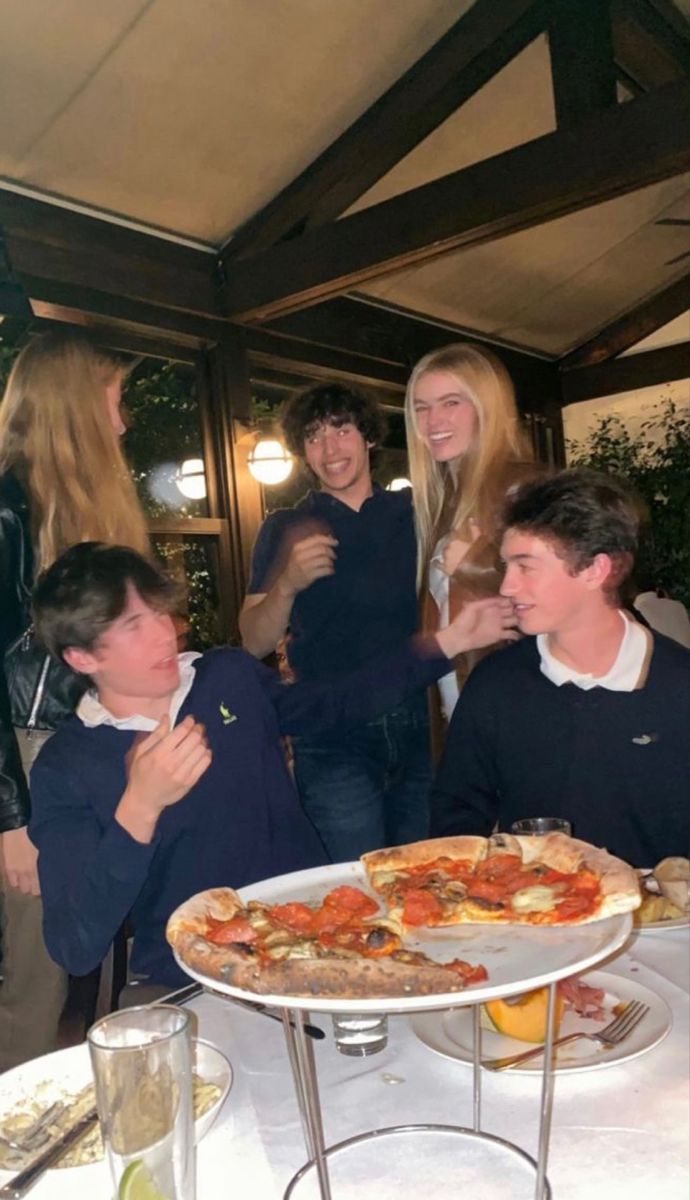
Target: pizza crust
[398, 858]
[619, 886]
[328, 977]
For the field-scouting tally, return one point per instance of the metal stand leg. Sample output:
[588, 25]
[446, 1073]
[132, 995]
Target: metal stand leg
[547, 1082]
[301, 1055]
[477, 1070]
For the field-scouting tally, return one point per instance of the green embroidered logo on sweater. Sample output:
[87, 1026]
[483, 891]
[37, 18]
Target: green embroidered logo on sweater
[228, 717]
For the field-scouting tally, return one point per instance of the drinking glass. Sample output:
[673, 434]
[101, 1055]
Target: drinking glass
[540, 826]
[360, 1034]
[142, 1066]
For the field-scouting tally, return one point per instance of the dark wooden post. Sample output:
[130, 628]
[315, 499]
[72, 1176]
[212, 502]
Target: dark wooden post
[237, 493]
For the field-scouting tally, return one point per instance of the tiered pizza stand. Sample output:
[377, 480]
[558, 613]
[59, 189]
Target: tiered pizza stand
[517, 958]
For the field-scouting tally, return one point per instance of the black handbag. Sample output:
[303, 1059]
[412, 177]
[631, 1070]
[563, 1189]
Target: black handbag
[42, 690]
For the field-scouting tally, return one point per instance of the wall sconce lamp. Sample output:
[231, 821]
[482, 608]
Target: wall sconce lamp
[269, 461]
[191, 479]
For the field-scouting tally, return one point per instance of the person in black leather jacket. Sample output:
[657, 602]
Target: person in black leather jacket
[62, 480]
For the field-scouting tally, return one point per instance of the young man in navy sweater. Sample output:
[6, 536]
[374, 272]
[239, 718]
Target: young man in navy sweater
[337, 574]
[170, 778]
[589, 719]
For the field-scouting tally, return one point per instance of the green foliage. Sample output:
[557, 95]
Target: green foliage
[163, 430]
[656, 464]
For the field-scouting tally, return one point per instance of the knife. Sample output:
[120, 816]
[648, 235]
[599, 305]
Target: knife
[192, 990]
[25, 1180]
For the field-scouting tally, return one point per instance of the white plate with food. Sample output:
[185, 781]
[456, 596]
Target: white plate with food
[664, 897]
[449, 1033]
[28, 1090]
[516, 957]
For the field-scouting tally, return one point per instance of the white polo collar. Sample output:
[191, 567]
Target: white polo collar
[625, 675]
[92, 713]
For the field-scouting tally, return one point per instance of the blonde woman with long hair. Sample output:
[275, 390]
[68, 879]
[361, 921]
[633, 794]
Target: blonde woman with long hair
[466, 451]
[62, 480]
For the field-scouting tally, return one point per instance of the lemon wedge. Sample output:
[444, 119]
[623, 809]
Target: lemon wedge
[137, 1184]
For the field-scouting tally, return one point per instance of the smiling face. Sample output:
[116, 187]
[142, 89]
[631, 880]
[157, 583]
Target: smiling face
[339, 457]
[134, 663]
[446, 418]
[546, 596]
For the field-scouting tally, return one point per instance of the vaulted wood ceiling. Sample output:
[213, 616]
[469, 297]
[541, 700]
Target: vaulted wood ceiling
[514, 168]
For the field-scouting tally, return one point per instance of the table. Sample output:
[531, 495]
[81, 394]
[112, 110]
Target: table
[619, 1131]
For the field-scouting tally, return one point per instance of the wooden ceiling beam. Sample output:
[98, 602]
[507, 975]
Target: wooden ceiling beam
[65, 301]
[645, 318]
[390, 336]
[625, 148]
[269, 349]
[48, 241]
[646, 369]
[473, 50]
[651, 43]
[583, 69]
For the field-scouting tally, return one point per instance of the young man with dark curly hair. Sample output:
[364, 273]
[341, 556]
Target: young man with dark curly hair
[337, 574]
[586, 717]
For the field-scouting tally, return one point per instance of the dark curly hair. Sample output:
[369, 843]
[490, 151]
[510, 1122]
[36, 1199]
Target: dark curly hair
[582, 513]
[331, 404]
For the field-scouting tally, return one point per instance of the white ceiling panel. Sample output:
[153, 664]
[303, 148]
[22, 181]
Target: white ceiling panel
[550, 287]
[192, 115]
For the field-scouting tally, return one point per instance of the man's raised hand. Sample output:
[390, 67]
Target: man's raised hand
[309, 559]
[479, 623]
[161, 769]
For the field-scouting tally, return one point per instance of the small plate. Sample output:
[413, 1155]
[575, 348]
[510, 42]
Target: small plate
[67, 1071]
[658, 926]
[649, 884]
[450, 1033]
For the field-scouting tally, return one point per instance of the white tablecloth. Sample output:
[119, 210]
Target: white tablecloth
[622, 1130]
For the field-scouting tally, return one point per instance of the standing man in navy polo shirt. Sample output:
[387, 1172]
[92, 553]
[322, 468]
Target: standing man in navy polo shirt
[337, 575]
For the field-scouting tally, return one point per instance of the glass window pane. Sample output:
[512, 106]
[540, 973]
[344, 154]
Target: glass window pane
[194, 562]
[163, 442]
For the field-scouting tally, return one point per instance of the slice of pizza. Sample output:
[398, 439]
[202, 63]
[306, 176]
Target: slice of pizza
[341, 948]
[552, 880]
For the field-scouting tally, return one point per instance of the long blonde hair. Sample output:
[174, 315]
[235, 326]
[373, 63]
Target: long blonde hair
[499, 441]
[56, 435]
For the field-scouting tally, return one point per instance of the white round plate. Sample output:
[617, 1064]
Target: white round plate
[67, 1071]
[648, 883]
[658, 926]
[450, 1033]
[517, 957]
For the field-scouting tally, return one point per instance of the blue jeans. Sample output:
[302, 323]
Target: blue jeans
[368, 787]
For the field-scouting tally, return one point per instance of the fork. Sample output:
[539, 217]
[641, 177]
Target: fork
[34, 1136]
[613, 1033]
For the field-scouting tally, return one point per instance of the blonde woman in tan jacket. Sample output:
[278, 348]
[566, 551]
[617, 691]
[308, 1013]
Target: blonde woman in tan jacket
[466, 452]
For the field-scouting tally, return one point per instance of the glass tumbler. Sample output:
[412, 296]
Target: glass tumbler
[540, 826]
[142, 1066]
[360, 1034]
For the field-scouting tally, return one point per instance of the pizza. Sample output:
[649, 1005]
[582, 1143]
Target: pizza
[552, 880]
[341, 947]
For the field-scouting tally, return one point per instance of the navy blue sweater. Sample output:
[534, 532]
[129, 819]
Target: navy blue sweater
[241, 822]
[615, 764]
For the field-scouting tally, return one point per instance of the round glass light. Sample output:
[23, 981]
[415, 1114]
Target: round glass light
[397, 485]
[269, 461]
[191, 479]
